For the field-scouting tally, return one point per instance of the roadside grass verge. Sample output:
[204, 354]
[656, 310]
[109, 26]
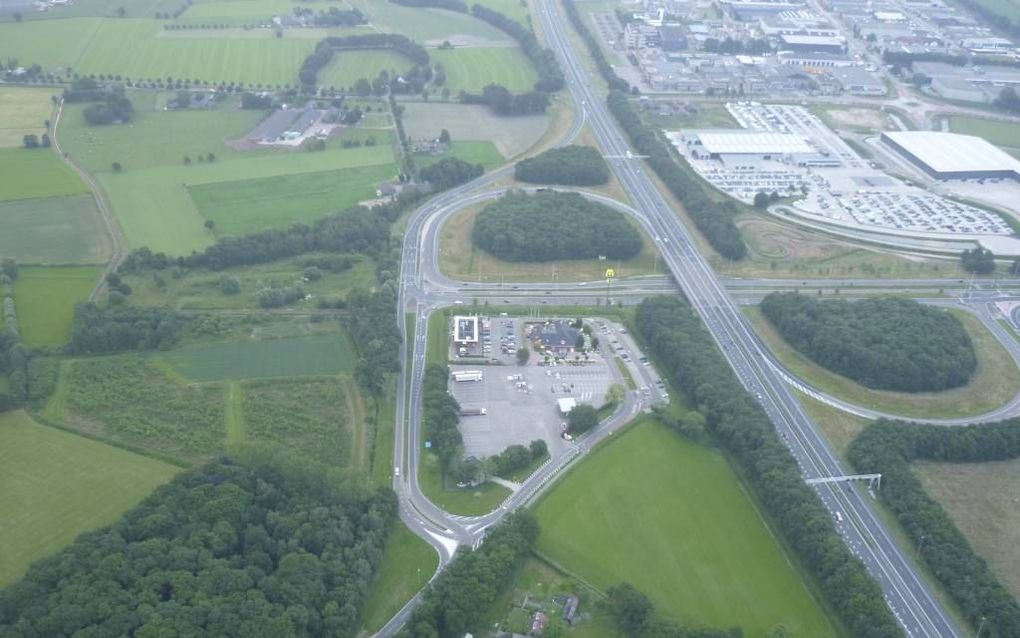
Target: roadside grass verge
[57, 485]
[407, 564]
[996, 381]
[672, 518]
[45, 298]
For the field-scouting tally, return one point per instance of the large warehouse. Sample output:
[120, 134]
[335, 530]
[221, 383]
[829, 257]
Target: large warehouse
[953, 156]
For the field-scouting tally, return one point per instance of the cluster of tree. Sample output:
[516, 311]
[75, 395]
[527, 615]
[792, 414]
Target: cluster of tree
[1008, 99]
[455, 603]
[713, 218]
[571, 165]
[111, 105]
[372, 324]
[694, 366]
[332, 17]
[277, 297]
[34, 141]
[616, 83]
[729, 46]
[98, 330]
[552, 225]
[167, 15]
[582, 418]
[330, 263]
[256, 101]
[450, 5]
[503, 102]
[888, 448]
[440, 416]
[14, 357]
[550, 75]
[325, 49]
[449, 172]
[979, 261]
[635, 617]
[517, 457]
[254, 548]
[882, 343]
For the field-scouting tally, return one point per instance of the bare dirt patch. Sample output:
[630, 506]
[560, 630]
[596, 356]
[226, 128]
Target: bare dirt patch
[860, 118]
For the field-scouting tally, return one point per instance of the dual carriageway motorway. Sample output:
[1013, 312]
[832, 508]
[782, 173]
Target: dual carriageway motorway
[424, 289]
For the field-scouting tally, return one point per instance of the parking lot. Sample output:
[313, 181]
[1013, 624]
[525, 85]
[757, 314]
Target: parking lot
[520, 402]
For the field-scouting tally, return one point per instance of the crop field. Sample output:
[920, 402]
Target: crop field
[45, 298]
[57, 485]
[511, 135]
[701, 551]
[53, 230]
[38, 172]
[461, 259]
[130, 401]
[428, 26]
[102, 8]
[994, 383]
[472, 68]
[347, 67]
[200, 289]
[983, 499]
[408, 563]
[247, 206]
[298, 356]
[310, 417]
[1005, 134]
[23, 110]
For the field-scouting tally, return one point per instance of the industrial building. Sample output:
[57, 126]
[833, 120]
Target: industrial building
[953, 156]
[744, 149]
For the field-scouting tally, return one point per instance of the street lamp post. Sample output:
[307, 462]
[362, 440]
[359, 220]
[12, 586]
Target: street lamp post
[981, 626]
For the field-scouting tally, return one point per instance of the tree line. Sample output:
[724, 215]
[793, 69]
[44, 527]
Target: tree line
[449, 172]
[440, 416]
[881, 343]
[451, 5]
[715, 220]
[98, 330]
[550, 75]
[456, 602]
[261, 547]
[503, 102]
[552, 225]
[31, 375]
[372, 324]
[694, 365]
[571, 165]
[888, 448]
[324, 50]
[616, 83]
[634, 615]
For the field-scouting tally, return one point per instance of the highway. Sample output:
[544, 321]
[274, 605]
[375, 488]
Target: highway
[420, 292]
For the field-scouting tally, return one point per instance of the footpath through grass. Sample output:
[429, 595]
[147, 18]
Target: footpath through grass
[57, 485]
[996, 381]
[670, 517]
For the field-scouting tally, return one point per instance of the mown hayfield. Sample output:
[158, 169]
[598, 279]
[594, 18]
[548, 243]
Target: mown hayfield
[129, 400]
[347, 67]
[51, 44]
[671, 518]
[310, 417]
[102, 8]
[143, 49]
[299, 356]
[428, 26]
[473, 68]
[57, 485]
[247, 206]
[53, 230]
[38, 172]
[226, 10]
[45, 298]
[23, 110]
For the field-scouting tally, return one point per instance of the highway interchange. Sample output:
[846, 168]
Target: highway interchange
[424, 289]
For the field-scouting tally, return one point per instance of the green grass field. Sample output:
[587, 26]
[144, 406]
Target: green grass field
[472, 68]
[45, 299]
[994, 383]
[130, 401]
[246, 206]
[225, 10]
[1006, 8]
[348, 67]
[408, 563]
[473, 152]
[298, 356]
[53, 230]
[516, 9]
[51, 44]
[427, 26]
[672, 519]
[23, 110]
[39, 172]
[1004, 134]
[57, 485]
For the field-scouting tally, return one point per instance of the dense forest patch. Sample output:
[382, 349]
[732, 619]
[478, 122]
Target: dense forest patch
[261, 549]
[884, 344]
[549, 225]
[572, 165]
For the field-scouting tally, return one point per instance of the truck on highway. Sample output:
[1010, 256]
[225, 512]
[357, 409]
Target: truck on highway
[468, 375]
[473, 411]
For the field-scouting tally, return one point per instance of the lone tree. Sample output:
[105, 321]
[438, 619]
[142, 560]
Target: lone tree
[522, 355]
[762, 200]
[444, 136]
[979, 261]
[30, 141]
[581, 419]
[44, 141]
[116, 167]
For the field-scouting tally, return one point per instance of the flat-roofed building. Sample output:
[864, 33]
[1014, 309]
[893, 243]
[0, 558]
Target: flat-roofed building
[813, 43]
[953, 156]
[465, 329]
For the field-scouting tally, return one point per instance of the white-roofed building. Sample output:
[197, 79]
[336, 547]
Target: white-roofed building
[718, 143]
[953, 156]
